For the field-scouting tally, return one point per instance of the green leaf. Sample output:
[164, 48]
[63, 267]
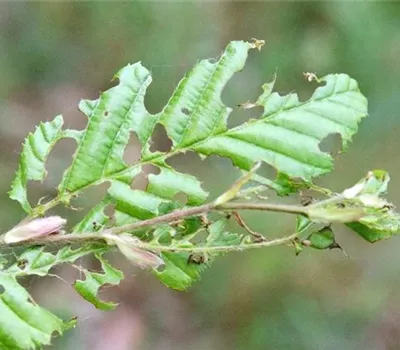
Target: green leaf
[379, 224]
[287, 136]
[36, 149]
[89, 288]
[23, 323]
[283, 185]
[323, 239]
[218, 236]
[168, 183]
[179, 273]
[95, 219]
[36, 261]
[302, 223]
[380, 220]
[182, 270]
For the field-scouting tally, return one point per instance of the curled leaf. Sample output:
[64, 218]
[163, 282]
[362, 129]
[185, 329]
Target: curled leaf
[35, 228]
[372, 200]
[374, 183]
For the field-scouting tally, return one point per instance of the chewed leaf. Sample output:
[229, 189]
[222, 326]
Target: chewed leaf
[94, 219]
[169, 183]
[288, 134]
[89, 288]
[111, 118]
[380, 221]
[377, 225]
[181, 270]
[24, 324]
[195, 111]
[36, 149]
[36, 261]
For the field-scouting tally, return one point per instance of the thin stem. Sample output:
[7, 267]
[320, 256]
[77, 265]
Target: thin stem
[167, 218]
[56, 239]
[203, 209]
[283, 208]
[257, 236]
[216, 249]
[329, 201]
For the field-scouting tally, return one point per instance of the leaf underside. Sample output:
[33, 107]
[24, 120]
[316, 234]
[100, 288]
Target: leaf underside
[286, 136]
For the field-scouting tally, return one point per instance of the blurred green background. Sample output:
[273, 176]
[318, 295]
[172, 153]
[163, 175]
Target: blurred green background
[54, 54]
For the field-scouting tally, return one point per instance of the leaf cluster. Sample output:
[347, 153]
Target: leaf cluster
[153, 229]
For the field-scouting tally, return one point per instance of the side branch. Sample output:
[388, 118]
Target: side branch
[163, 219]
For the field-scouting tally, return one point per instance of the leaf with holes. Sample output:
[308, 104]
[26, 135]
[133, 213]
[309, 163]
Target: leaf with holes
[89, 288]
[182, 269]
[287, 136]
[35, 151]
[23, 323]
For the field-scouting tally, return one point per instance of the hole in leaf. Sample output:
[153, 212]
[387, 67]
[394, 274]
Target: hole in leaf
[215, 173]
[64, 99]
[181, 198]
[241, 115]
[268, 171]
[185, 111]
[22, 263]
[132, 150]
[165, 80]
[109, 211]
[243, 87]
[331, 144]
[160, 268]
[57, 162]
[141, 181]
[160, 141]
[81, 204]
[201, 236]
[2, 289]
[95, 226]
[55, 334]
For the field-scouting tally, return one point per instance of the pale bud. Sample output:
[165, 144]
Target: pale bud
[142, 258]
[34, 229]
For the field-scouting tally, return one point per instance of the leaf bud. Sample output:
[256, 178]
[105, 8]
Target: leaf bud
[34, 228]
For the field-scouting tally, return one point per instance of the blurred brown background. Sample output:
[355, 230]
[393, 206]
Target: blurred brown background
[54, 54]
